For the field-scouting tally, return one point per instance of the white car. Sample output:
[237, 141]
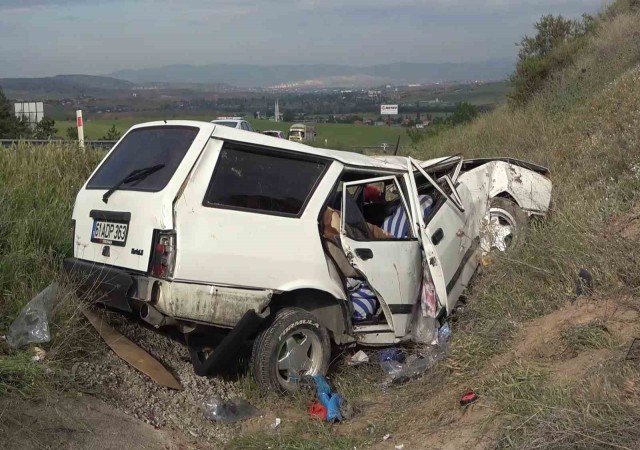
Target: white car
[234, 122]
[275, 133]
[203, 227]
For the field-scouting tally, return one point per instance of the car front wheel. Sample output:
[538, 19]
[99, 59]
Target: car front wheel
[294, 344]
[509, 224]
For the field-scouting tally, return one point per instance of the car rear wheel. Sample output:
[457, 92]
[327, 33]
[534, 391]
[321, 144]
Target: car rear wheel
[294, 344]
[509, 224]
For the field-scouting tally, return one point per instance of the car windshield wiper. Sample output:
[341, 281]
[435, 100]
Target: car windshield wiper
[134, 175]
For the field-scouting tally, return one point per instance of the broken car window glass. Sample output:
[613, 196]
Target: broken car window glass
[272, 183]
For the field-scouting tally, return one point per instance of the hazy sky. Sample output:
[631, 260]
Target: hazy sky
[49, 37]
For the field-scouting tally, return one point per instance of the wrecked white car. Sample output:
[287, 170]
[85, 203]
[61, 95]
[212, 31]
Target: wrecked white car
[205, 228]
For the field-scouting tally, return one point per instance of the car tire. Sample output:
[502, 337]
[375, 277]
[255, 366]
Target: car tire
[294, 344]
[510, 224]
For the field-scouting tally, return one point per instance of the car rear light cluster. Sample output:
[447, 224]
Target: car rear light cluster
[164, 254]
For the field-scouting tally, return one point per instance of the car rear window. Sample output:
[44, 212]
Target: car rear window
[262, 181]
[141, 148]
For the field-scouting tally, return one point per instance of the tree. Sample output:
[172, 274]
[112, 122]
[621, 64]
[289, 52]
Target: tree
[288, 116]
[112, 134]
[45, 129]
[464, 112]
[10, 126]
[553, 47]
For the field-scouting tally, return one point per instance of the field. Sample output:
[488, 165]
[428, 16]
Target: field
[549, 366]
[337, 136]
[479, 95]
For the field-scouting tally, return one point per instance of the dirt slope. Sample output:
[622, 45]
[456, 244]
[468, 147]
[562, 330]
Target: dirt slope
[77, 422]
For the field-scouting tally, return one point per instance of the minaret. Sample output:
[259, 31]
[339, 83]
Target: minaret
[277, 112]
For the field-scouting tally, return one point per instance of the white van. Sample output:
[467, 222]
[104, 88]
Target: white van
[203, 228]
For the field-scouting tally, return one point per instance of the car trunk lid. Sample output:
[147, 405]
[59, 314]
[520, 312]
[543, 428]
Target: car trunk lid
[118, 230]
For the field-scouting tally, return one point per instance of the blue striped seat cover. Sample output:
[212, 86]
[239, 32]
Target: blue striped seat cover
[364, 300]
[397, 224]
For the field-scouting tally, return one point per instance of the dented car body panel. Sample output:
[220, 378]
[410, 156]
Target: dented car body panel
[209, 304]
[240, 226]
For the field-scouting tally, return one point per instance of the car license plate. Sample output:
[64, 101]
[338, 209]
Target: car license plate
[112, 233]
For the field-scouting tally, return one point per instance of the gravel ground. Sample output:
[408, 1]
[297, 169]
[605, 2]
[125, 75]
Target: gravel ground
[119, 384]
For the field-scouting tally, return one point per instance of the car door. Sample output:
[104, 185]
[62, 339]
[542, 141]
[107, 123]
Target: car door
[391, 265]
[449, 233]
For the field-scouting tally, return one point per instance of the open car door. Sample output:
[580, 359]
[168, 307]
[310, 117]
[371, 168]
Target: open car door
[391, 260]
[448, 232]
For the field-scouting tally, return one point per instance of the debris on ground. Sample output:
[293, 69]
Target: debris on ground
[32, 324]
[401, 369]
[386, 437]
[131, 353]
[468, 398]
[38, 354]
[584, 283]
[634, 350]
[216, 409]
[358, 358]
[391, 354]
[444, 333]
[276, 423]
[318, 411]
[399, 447]
[337, 408]
[129, 390]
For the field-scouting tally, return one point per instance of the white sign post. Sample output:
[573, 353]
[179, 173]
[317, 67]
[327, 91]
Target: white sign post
[80, 126]
[389, 110]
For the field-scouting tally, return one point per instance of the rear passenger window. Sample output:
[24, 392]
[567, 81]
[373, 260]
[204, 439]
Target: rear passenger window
[272, 183]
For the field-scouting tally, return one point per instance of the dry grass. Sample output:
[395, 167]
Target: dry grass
[39, 185]
[591, 335]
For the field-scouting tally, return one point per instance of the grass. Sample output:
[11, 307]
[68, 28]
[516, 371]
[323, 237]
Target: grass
[337, 136]
[591, 335]
[300, 435]
[39, 186]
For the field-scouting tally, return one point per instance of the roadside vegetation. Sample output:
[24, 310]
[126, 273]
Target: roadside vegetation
[550, 369]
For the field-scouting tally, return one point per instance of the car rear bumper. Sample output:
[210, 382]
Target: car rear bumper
[107, 285]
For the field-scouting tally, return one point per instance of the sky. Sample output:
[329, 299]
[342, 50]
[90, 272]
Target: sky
[50, 37]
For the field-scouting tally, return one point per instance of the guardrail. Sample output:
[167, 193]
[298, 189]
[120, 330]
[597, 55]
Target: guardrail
[102, 145]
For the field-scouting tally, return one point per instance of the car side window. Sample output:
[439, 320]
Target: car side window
[248, 125]
[376, 211]
[262, 180]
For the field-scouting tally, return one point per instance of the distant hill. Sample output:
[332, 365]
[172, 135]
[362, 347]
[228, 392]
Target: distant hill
[62, 85]
[249, 75]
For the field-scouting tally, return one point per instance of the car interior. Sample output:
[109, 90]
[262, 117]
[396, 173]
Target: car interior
[370, 210]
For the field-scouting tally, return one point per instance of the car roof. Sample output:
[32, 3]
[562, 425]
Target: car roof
[228, 120]
[347, 158]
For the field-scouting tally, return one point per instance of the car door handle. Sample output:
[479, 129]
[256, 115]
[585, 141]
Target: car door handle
[364, 253]
[437, 236]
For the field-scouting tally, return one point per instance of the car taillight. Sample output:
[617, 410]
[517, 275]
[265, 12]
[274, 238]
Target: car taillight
[164, 254]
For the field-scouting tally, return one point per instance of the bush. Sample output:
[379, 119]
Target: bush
[552, 48]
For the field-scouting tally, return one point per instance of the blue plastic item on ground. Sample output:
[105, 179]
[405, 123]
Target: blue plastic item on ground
[444, 333]
[330, 400]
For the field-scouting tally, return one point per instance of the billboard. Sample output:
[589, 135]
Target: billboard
[31, 112]
[389, 110]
